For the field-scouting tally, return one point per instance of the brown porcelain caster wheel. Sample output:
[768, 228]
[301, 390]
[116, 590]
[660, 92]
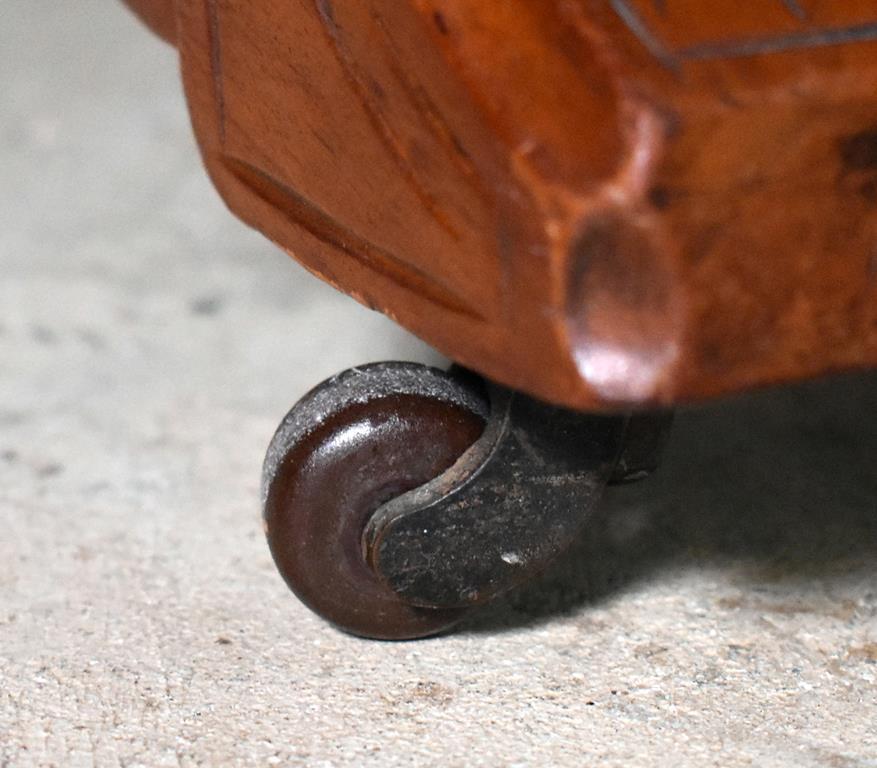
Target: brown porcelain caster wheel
[396, 496]
[358, 440]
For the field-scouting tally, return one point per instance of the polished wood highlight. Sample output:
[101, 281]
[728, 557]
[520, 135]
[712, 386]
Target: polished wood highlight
[601, 202]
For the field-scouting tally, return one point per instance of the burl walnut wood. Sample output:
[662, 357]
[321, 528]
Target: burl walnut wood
[600, 202]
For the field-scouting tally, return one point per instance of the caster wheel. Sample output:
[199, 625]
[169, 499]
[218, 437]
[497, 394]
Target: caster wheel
[396, 497]
[357, 441]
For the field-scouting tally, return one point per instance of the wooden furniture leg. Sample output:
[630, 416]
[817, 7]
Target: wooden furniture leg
[599, 205]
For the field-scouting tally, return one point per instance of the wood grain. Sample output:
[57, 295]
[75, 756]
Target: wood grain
[602, 202]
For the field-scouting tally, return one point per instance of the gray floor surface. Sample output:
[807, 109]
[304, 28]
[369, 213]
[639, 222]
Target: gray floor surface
[724, 613]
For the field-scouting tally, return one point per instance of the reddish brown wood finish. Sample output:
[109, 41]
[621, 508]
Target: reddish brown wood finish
[159, 15]
[600, 202]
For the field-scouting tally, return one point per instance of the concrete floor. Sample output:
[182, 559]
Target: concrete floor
[725, 613]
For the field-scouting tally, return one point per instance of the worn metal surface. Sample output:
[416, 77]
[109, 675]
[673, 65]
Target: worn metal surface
[645, 437]
[508, 507]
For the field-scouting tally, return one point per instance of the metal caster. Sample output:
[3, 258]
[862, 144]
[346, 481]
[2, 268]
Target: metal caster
[397, 497]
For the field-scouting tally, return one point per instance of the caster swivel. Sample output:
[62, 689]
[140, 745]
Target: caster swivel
[396, 497]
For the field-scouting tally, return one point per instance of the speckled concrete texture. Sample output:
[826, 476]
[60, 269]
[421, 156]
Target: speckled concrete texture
[723, 613]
